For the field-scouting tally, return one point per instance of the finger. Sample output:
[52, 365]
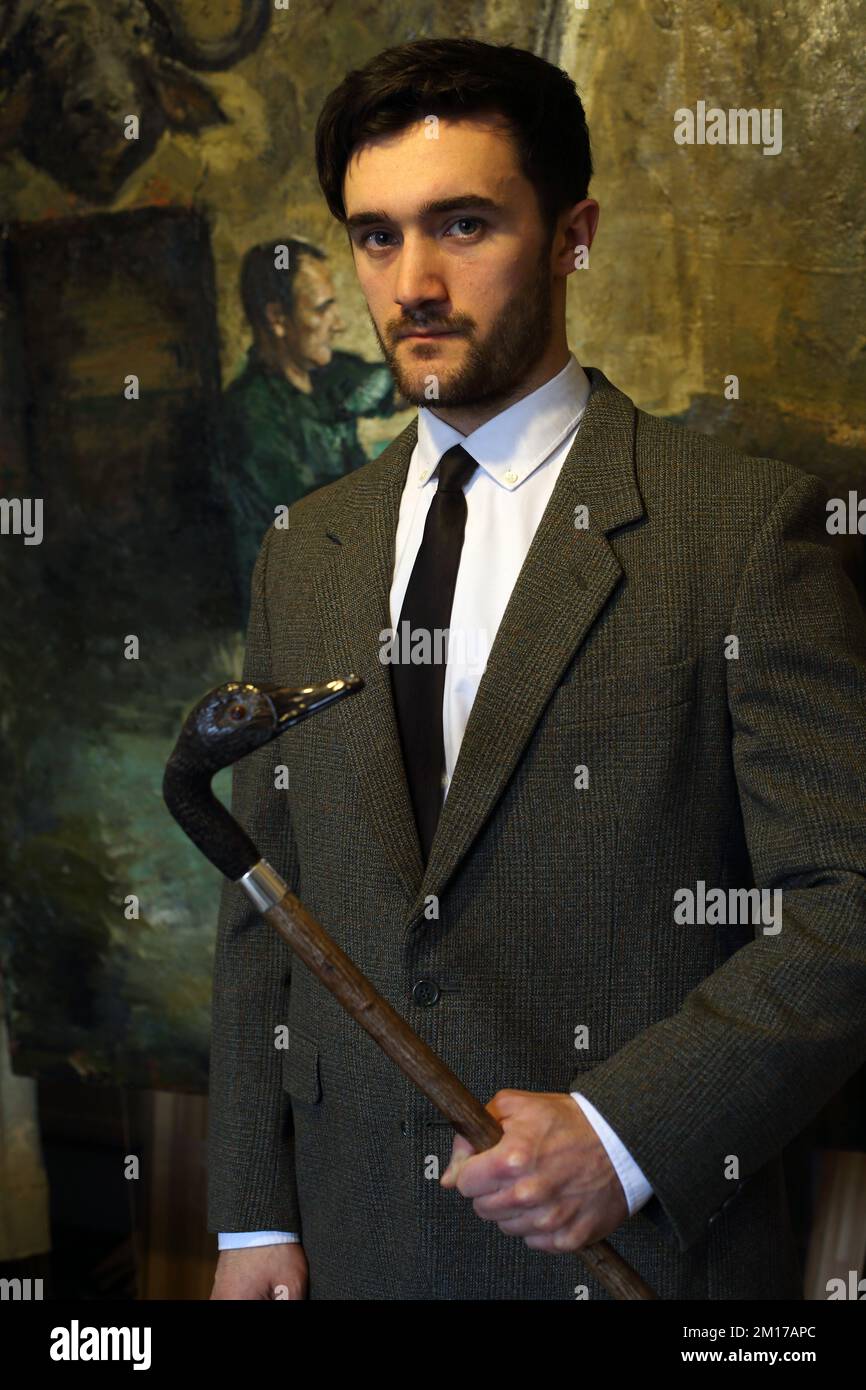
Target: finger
[544, 1221]
[495, 1170]
[509, 1203]
[573, 1235]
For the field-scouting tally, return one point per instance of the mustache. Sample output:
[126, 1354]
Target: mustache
[424, 325]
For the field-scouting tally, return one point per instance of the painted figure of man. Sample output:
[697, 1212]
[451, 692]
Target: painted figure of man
[290, 416]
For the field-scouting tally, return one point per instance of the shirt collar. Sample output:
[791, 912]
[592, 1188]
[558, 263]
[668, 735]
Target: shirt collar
[517, 440]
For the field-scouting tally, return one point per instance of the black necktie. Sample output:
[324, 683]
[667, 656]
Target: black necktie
[419, 689]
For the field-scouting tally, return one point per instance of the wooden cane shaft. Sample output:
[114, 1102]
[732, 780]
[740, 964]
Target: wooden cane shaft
[339, 974]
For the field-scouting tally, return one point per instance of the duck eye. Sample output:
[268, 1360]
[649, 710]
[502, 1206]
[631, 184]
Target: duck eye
[237, 712]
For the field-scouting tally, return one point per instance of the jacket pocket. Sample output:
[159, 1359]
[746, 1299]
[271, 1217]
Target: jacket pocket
[578, 701]
[301, 1072]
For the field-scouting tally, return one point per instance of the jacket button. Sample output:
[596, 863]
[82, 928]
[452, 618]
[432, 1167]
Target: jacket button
[425, 993]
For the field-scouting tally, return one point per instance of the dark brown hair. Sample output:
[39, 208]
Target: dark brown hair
[262, 283]
[462, 77]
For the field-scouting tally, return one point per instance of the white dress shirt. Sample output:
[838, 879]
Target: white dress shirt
[520, 453]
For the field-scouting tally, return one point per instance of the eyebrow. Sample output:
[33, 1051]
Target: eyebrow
[460, 200]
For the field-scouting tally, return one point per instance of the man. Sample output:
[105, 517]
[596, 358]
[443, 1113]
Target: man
[290, 416]
[672, 707]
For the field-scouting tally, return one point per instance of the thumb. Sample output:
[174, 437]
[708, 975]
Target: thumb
[461, 1149]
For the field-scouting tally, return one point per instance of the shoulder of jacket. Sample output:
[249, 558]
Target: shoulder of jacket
[719, 469]
[316, 510]
[309, 518]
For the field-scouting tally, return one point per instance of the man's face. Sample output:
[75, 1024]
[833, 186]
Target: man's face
[480, 268]
[307, 331]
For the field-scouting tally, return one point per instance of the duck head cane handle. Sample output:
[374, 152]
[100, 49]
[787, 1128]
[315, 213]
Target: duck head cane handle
[227, 724]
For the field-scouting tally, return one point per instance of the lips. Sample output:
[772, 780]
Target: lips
[428, 333]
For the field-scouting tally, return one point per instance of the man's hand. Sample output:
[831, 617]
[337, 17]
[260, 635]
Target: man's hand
[548, 1179]
[262, 1271]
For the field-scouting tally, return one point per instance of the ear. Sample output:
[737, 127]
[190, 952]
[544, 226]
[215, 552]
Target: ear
[276, 317]
[15, 104]
[188, 104]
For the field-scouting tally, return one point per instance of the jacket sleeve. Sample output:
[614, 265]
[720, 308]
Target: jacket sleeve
[767, 1039]
[251, 1177]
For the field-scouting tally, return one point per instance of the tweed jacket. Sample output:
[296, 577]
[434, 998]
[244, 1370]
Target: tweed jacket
[675, 700]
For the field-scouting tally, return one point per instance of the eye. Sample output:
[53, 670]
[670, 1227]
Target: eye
[379, 232]
[477, 221]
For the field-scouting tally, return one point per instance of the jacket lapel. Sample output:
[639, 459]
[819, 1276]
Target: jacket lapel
[352, 591]
[566, 580]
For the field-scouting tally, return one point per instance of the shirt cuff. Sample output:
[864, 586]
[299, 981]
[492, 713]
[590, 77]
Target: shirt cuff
[239, 1240]
[635, 1186]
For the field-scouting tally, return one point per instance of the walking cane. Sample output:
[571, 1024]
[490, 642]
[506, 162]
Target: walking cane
[230, 722]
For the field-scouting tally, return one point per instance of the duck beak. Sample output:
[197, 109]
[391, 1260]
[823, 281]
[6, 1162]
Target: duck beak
[294, 703]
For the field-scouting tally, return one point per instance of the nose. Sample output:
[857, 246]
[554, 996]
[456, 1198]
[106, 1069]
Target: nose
[419, 279]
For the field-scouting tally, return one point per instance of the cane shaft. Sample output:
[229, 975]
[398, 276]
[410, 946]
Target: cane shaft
[338, 973]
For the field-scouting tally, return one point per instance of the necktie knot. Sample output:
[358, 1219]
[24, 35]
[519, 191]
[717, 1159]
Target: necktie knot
[456, 467]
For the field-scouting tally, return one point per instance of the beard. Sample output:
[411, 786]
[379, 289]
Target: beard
[492, 367]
